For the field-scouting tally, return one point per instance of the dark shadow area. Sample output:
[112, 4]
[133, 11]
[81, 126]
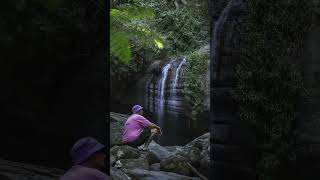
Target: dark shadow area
[53, 74]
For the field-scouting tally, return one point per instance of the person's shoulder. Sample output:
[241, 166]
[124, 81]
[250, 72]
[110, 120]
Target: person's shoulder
[138, 116]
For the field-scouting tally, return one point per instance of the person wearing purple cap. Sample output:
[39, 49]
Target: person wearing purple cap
[88, 157]
[138, 130]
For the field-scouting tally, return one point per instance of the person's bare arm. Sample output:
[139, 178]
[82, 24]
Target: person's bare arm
[154, 126]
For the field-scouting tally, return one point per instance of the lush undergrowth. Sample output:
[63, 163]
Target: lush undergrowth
[195, 82]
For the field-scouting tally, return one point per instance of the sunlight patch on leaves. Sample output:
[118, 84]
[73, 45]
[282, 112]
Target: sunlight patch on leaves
[158, 43]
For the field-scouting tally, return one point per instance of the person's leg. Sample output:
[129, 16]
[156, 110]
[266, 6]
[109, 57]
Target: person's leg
[141, 139]
[145, 138]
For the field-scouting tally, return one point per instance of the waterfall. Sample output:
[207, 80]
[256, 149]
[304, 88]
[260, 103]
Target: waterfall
[162, 87]
[177, 73]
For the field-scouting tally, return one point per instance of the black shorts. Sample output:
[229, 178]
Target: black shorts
[144, 136]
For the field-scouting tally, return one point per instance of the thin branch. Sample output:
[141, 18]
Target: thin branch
[196, 171]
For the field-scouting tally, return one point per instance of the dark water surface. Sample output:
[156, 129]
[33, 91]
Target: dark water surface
[180, 130]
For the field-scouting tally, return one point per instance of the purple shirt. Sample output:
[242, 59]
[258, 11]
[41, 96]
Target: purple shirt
[134, 127]
[78, 172]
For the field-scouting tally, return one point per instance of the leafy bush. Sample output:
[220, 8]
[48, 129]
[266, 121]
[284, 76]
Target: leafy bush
[184, 29]
[194, 84]
[130, 23]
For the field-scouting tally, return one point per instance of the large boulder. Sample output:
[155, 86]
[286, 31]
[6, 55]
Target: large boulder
[140, 174]
[176, 164]
[201, 158]
[159, 151]
[197, 152]
[116, 128]
[132, 163]
[201, 142]
[124, 152]
[20, 171]
[151, 157]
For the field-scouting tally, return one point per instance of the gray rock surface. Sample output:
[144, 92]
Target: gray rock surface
[141, 174]
[117, 174]
[116, 128]
[176, 164]
[154, 167]
[159, 151]
[151, 157]
[124, 152]
[133, 163]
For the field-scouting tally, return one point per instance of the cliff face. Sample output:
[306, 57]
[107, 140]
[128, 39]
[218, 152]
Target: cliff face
[232, 143]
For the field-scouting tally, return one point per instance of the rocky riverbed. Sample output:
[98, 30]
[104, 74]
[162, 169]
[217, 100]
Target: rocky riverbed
[186, 162]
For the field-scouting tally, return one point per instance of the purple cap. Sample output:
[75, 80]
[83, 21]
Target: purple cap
[84, 148]
[136, 108]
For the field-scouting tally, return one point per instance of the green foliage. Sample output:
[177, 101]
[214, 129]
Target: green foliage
[185, 28]
[120, 46]
[129, 27]
[155, 30]
[269, 81]
[194, 84]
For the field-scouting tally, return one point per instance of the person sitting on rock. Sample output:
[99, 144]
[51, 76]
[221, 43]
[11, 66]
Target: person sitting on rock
[138, 130]
[88, 156]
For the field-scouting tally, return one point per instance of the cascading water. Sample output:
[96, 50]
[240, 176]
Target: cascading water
[167, 106]
[162, 89]
[177, 73]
